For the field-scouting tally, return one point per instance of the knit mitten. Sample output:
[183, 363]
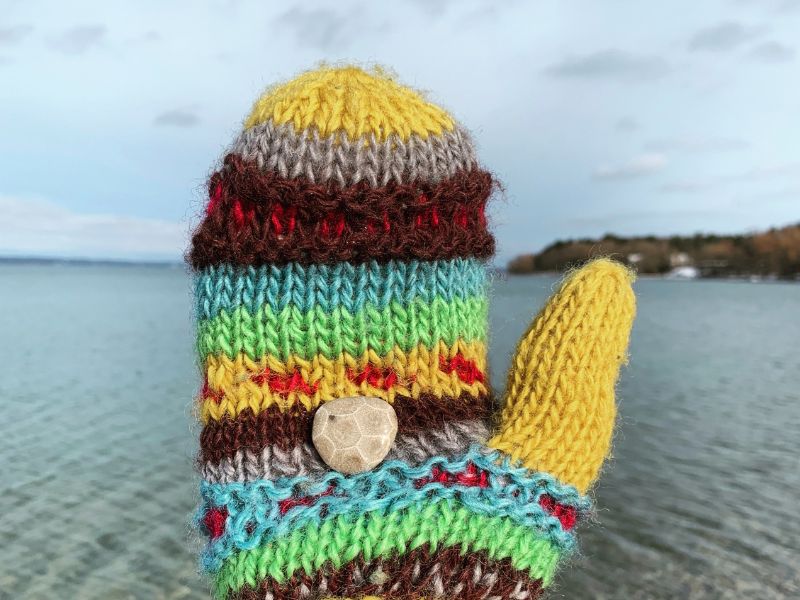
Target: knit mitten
[350, 445]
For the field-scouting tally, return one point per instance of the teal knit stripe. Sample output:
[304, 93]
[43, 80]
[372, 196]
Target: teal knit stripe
[328, 287]
[308, 334]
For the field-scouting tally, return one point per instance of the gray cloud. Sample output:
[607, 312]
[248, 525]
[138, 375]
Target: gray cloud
[434, 8]
[626, 125]
[177, 118]
[697, 144]
[610, 64]
[773, 6]
[777, 170]
[638, 166]
[774, 172]
[687, 186]
[773, 52]
[78, 40]
[324, 28]
[14, 35]
[481, 11]
[148, 37]
[787, 193]
[612, 221]
[723, 37]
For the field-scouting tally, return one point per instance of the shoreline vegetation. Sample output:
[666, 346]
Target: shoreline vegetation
[767, 255]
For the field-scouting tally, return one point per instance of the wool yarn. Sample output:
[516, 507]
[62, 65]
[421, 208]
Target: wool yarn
[343, 254]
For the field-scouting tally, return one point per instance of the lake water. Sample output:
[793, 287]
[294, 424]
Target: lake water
[96, 441]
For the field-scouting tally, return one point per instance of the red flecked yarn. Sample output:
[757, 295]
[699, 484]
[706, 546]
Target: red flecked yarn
[566, 514]
[214, 522]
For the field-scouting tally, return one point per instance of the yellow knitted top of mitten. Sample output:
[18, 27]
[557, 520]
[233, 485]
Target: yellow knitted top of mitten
[350, 100]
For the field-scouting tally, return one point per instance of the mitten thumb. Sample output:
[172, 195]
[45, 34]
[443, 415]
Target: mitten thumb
[559, 409]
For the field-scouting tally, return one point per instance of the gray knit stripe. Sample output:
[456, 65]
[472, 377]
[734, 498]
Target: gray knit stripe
[272, 462]
[340, 160]
[451, 440]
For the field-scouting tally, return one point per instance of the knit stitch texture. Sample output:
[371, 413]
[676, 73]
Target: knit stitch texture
[342, 254]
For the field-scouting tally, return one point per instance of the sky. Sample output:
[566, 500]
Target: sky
[626, 117]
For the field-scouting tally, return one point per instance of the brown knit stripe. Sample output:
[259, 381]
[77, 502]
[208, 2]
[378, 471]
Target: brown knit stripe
[420, 573]
[286, 430]
[256, 217]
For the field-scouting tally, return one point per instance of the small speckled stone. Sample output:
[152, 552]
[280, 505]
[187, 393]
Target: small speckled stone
[355, 434]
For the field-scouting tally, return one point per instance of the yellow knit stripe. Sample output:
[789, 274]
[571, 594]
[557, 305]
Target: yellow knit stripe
[241, 383]
[351, 100]
[559, 408]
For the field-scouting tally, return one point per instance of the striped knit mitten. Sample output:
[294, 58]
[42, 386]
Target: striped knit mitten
[349, 444]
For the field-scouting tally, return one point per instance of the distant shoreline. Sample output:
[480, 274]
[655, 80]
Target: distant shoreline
[764, 256]
[500, 271]
[99, 262]
[754, 278]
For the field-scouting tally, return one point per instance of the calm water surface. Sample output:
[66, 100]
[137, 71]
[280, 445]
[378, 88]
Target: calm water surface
[96, 446]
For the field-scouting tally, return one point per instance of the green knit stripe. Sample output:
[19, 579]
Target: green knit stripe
[382, 535]
[291, 331]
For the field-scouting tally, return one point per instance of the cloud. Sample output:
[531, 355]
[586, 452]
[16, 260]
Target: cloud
[638, 166]
[697, 144]
[177, 118]
[773, 52]
[611, 64]
[786, 169]
[723, 37]
[479, 13]
[148, 37]
[612, 221]
[626, 125]
[33, 227]
[434, 8]
[13, 35]
[324, 28]
[78, 40]
[774, 172]
[778, 6]
[786, 193]
[688, 186]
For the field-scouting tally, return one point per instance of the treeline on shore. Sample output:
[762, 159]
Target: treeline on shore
[774, 253]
